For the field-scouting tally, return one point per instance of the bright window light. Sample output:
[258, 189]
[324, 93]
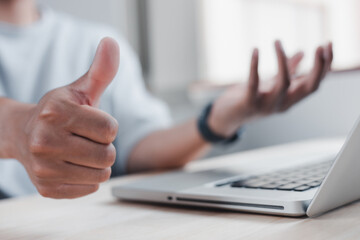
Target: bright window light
[230, 29]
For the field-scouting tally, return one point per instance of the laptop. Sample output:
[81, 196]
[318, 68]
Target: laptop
[310, 189]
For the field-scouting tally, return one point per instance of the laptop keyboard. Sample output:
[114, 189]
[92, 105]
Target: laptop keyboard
[295, 179]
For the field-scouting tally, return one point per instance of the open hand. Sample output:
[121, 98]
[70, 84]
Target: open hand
[241, 104]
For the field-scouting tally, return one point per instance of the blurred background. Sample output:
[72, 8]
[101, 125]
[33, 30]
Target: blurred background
[191, 49]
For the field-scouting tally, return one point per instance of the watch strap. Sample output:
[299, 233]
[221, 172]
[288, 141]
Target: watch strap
[207, 133]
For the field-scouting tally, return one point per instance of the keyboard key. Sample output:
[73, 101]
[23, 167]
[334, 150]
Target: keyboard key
[248, 182]
[282, 182]
[302, 188]
[315, 178]
[290, 186]
[314, 184]
[270, 186]
[256, 184]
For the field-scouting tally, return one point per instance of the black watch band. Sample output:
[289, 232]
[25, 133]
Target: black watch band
[206, 131]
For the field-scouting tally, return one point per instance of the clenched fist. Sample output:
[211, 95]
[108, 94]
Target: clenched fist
[66, 143]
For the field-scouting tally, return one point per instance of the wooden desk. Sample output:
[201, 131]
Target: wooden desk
[100, 216]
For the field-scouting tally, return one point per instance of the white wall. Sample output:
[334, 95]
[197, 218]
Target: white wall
[119, 14]
[173, 44]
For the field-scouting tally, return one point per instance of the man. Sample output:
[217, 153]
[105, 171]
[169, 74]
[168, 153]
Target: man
[65, 146]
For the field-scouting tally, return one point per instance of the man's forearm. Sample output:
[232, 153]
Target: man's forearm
[170, 148]
[11, 117]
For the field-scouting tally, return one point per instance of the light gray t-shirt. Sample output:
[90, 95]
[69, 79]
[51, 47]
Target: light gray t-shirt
[54, 52]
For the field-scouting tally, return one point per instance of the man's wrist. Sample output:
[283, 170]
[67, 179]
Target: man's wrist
[207, 131]
[217, 127]
[13, 117]
[218, 121]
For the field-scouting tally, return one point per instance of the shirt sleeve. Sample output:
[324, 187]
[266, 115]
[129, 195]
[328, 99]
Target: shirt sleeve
[2, 92]
[136, 110]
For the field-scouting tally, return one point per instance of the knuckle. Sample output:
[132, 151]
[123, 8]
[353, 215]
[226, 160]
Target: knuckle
[94, 188]
[46, 192]
[110, 129]
[110, 155]
[39, 171]
[89, 189]
[104, 175]
[39, 143]
[49, 112]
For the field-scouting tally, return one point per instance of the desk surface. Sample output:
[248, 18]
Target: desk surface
[100, 216]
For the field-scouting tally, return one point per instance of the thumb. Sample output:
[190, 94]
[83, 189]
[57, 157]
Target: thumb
[101, 73]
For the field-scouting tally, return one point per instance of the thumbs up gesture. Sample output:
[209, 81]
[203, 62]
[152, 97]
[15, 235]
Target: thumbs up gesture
[66, 145]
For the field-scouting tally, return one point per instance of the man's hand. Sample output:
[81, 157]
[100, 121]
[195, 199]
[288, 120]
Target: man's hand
[65, 142]
[241, 104]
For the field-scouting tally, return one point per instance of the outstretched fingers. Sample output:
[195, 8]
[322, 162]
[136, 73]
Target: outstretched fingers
[253, 84]
[309, 83]
[273, 100]
[283, 76]
[294, 62]
[317, 73]
[328, 58]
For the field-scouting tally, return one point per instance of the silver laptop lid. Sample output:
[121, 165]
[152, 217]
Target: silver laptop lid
[342, 184]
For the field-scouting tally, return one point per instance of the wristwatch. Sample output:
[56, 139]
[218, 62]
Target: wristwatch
[206, 132]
